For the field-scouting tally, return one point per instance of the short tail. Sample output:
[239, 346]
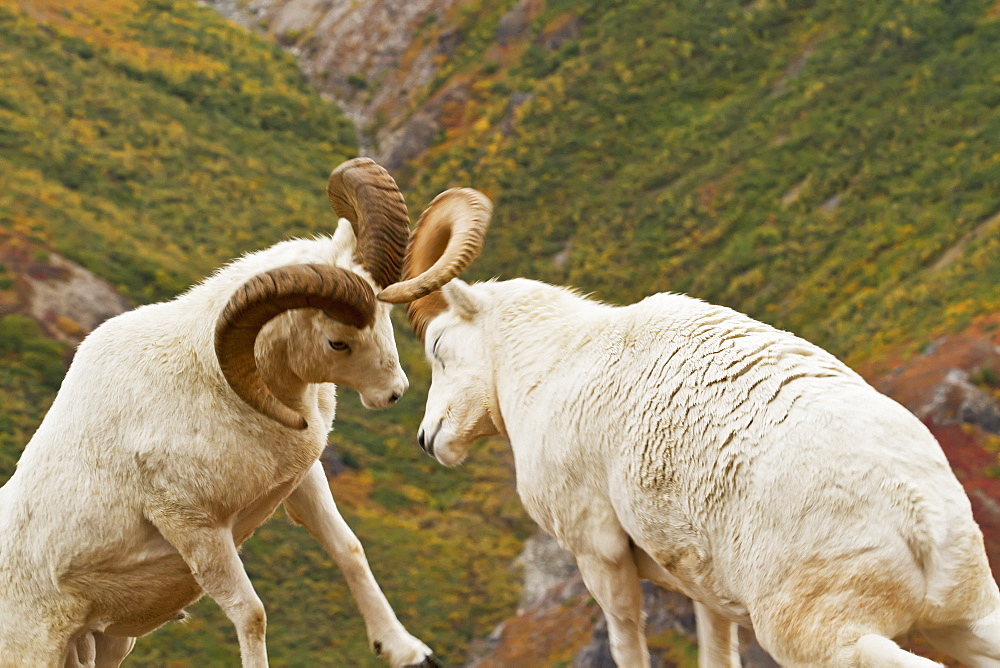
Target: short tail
[875, 651]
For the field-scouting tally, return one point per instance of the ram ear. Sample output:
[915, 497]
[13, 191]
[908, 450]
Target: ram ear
[461, 298]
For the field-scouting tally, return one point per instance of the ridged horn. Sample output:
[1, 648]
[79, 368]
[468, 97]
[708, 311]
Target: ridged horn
[365, 194]
[342, 294]
[447, 238]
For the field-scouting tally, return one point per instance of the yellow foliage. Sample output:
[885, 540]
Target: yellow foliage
[106, 24]
[353, 488]
[68, 326]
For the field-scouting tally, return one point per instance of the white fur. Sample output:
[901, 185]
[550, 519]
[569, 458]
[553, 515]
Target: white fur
[745, 467]
[148, 472]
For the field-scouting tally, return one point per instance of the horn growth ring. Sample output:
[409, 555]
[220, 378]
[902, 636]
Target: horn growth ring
[364, 193]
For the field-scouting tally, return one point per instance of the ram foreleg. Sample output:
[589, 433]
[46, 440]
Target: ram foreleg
[614, 584]
[312, 506]
[211, 555]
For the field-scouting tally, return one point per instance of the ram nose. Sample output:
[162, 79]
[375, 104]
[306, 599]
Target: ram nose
[426, 443]
[388, 396]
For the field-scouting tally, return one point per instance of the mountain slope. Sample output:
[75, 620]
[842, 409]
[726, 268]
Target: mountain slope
[137, 136]
[826, 167]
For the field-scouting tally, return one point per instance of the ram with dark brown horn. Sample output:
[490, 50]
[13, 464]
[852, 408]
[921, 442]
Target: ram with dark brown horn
[190, 421]
[362, 192]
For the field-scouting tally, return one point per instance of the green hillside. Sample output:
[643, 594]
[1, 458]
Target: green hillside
[149, 140]
[831, 168]
[828, 167]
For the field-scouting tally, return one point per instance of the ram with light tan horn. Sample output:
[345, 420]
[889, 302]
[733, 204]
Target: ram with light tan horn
[339, 293]
[179, 429]
[688, 444]
[365, 194]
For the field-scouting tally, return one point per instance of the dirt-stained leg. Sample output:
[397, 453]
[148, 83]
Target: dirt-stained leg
[612, 579]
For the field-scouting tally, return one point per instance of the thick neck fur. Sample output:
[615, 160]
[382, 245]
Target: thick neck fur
[538, 328]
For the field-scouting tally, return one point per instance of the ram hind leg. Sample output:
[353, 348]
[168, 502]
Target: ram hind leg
[841, 610]
[964, 618]
[875, 651]
[96, 650]
[718, 642]
[869, 651]
[80, 652]
[111, 650]
[210, 553]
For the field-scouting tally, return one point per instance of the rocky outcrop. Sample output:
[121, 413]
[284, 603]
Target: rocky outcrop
[544, 565]
[374, 59]
[381, 61]
[66, 299]
[954, 381]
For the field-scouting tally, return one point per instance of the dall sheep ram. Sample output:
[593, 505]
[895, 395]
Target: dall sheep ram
[181, 426]
[688, 444]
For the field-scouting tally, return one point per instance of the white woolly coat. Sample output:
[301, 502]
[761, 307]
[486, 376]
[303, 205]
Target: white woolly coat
[146, 434]
[766, 479]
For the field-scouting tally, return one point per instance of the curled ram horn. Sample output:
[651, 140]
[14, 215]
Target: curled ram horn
[342, 294]
[447, 238]
[365, 194]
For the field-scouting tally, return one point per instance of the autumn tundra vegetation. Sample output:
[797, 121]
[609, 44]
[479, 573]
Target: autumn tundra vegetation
[688, 444]
[828, 168]
[182, 425]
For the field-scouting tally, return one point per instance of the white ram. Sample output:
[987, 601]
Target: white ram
[181, 426]
[688, 444]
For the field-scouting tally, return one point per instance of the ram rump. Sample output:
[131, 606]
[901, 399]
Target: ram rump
[181, 426]
[691, 445]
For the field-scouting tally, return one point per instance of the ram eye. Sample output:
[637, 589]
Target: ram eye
[339, 345]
